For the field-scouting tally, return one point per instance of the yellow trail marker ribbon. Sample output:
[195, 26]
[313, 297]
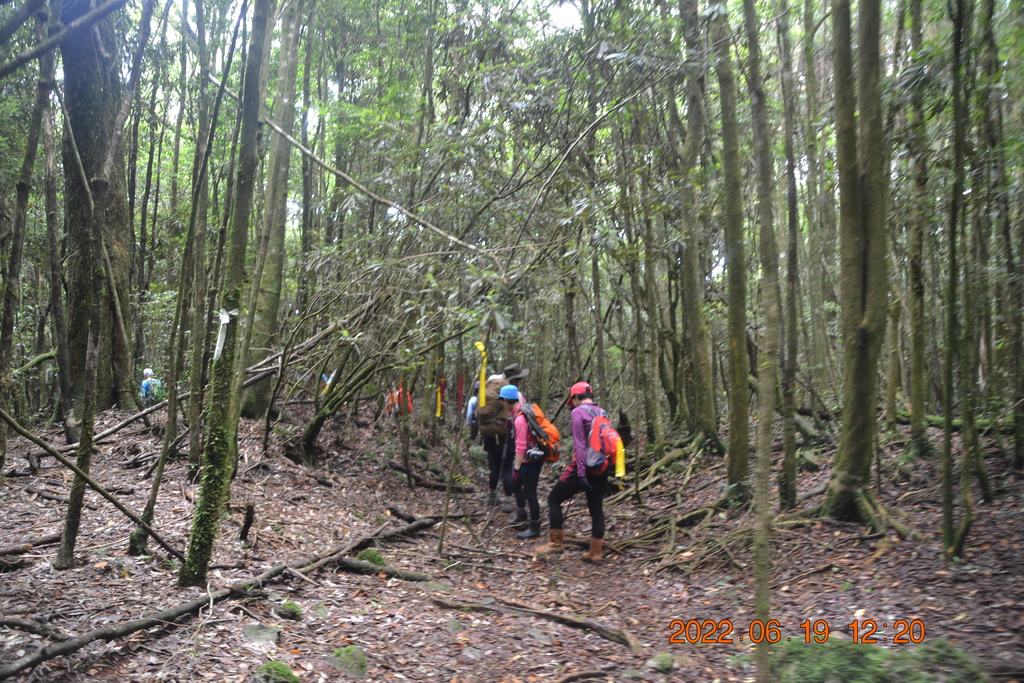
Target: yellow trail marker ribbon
[483, 374]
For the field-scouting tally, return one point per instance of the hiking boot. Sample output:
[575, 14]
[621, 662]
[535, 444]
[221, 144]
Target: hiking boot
[532, 531]
[518, 518]
[507, 506]
[492, 498]
[594, 554]
[554, 545]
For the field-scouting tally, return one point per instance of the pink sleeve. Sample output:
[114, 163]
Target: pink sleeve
[522, 433]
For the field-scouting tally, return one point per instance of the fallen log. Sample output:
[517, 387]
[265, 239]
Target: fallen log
[615, 635]
[168, 616]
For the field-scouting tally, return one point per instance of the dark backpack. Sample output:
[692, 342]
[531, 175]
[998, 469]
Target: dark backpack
[544, 434]
[604, 443]
[492, 414]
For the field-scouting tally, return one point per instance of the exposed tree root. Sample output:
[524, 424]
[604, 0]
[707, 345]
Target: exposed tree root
[878, 517]
[507, 606]
[695, 447]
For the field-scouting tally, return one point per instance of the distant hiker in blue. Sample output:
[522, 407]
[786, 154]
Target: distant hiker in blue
[151, 391]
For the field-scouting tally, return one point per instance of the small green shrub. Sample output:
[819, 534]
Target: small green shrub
[843, 661]
[274, 672]
[372, 556]
[290, 610]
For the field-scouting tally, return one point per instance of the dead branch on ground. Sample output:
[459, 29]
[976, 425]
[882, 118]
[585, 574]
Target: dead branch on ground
[615, 635]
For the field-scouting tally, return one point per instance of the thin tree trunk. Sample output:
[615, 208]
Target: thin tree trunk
[769, 361]
[735, 265]
[788, 476]
[53, 269]
[917, 224]
[220, 433]
[12, 287]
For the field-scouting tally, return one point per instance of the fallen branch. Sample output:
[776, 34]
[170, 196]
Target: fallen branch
[803, 575]
[22, 548]
[36, 627]
[361, 567]
[429, 483]
[607, 632]
[91, 482]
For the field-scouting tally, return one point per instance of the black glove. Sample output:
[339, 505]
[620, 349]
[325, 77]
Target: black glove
[585, 484]
[515, 477]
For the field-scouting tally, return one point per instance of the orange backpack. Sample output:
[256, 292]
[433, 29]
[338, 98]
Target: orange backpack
[603, 447]
[544, 433]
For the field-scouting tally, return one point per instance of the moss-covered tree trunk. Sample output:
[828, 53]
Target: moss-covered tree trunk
[200, 200]
[220, 432]
[862, 244]
[92, 93]
[735, 265]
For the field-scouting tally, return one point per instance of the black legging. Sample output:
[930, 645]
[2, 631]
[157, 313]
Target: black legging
[499, 462]
[564, 490]
[526, 490]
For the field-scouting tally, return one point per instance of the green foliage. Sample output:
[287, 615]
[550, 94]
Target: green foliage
[843, 661]
[372, 556]
[274, 672]
[351, 660]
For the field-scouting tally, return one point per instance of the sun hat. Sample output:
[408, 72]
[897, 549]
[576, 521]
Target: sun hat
[515, 371]
[509, 393]
[577, 389]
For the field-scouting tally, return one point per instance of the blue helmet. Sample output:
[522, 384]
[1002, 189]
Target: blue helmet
[509, 393]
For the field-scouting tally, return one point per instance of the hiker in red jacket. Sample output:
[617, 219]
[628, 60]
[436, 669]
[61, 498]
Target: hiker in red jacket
[575, 479]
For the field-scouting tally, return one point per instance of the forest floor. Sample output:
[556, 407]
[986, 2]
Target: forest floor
[823, 572]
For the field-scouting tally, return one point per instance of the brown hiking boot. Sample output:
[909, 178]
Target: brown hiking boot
[554, 545]
[594, 554]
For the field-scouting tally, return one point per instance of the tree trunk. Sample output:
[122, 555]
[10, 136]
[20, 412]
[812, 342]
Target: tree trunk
[863, 242]
[12, 287]
[53, 269]
[268, 278]
[953, 540]
[788, 475]
[92, 93]
[917, 229]
[220, 433]
[770, 344]
[735, 264]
